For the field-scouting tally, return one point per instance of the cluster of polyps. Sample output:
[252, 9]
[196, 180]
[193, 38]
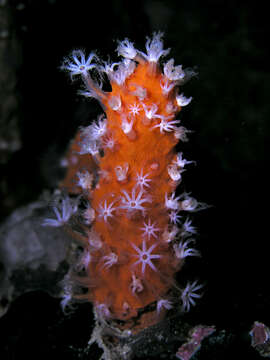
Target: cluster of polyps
[135, 238]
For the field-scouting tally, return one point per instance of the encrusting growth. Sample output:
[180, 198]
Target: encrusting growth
[134, 238]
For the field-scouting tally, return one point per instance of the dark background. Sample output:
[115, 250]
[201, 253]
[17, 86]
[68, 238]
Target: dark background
[227, 43]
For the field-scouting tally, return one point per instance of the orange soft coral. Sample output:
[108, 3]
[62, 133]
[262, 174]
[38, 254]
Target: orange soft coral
[136, 242]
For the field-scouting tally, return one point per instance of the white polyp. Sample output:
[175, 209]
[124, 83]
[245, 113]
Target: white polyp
[133, 201]
[126, 49]
[124, 70]
[187, 228]
[174, 217]
[136, 285]
[84, 260]
[140, 92]
[94, 240]
[189, 294]
[149, 229]
[182, 100]
[104, 174]
[174, 173]
[103, 310]
[170, 108]
[166, 87]
[127, 128]
[164, 303]
[109, 142]
[145, 256]
[121, 172]
[89, 215]
[126, 306]
[154, 48]
[134, 109]
[180, 162]
[85, 180]
[63, 211]
[142, 180]
[154, 166]
[183, 250]
[89, 146]
[77, 64]
[180, 133]
[150, 111]
[189, 204]
[169, 236]
[172, 202]
[172, 72]
[105, 211]
[115, 103]
[98, 128]
[165, 125]
[110, 260]
[64, 162]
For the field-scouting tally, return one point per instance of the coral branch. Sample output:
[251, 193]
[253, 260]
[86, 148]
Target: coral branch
[133, 245]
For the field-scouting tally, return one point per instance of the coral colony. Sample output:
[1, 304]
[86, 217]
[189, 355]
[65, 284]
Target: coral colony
[136, 230]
